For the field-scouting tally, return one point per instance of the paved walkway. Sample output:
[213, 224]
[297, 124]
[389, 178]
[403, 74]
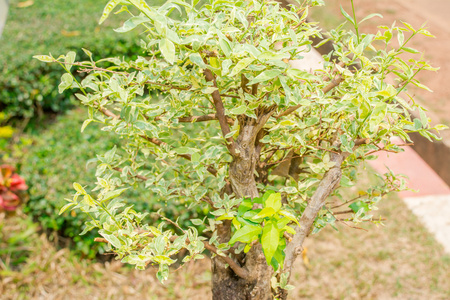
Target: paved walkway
[431, 203]
[3, 14]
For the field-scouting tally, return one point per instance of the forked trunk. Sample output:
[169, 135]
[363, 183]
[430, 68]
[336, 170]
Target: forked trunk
[226, 285]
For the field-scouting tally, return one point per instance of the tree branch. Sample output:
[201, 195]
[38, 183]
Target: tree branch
[137, 176]
[239, 271]
[220, 112]
[333, 83]
[326, 186]
[204, 118]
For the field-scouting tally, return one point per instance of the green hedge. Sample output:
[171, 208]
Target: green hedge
[53, 159]
[29, 87]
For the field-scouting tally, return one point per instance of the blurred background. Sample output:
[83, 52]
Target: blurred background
[42, 255]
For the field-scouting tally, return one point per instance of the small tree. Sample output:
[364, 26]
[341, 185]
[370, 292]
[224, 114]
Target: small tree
[213, 115]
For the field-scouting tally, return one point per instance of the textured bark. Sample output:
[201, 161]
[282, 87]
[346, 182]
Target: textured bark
[226, 285]
[326, 186]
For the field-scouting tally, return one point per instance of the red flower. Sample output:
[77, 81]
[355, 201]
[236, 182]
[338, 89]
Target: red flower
[17, 183]
[10, 185]
[8, 201]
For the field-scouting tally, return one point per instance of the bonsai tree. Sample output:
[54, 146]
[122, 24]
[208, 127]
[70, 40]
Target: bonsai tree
[214, 115]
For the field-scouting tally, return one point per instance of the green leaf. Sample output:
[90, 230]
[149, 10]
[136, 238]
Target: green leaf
[70, 59]
[112, 239]
[409, 26]
[246, 234]
[87, 52]
[240, 16]
[245, 206]
[265, 76]
[238, 110]
[79, 188]
[440, 127]
[410, 50]
[266, 212]
[89, 200]
[113, 194]
[66, 82]
[400, 37]
[197, 59]
[66, 207]
[197, 222]
[173, 36]
[289, 229]
[167, 49]
[242, 64]
[299, 74]
[289, 215]
[270, 240]
[162, 259]
[378, 113]
[370, 17]
[422, 86]
[274, 201]
[225, 46]
[269, 55]
[85, 124]
[163, 273]
[347, 16]
[184, 150]
[132, 23]
[358, 205]
[403, 102]
[109, 8]
[44, 58]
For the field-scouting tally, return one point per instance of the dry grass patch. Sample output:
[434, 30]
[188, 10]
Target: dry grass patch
[398, 261]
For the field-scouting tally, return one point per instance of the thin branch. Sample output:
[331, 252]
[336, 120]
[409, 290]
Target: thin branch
[333, 83]
[170, 86]
[360, 142]
[239, 271]
[343, 212]
[354, 227]
[220, 109]
[137, 176]
[326, 186]
[204, 118]
[255, 89]
[348, 201]
[230, 96]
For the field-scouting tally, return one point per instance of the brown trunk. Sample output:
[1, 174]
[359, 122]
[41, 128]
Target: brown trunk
[226, 285]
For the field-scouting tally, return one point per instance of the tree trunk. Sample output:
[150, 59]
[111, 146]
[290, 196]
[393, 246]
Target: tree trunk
[226, 285]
